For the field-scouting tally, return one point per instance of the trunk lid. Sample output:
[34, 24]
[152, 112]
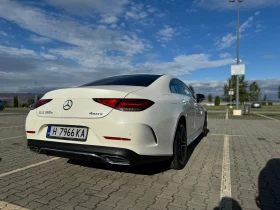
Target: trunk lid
[78, 102]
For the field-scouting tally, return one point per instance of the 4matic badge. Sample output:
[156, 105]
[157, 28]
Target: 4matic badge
[96, 113]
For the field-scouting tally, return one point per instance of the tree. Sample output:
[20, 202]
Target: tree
[243, 85]
[15, 101]
[191, 88]
[254, 91]
[30, 101]
[210, 97]
[217, 101]
[279, 92]
[264, 97]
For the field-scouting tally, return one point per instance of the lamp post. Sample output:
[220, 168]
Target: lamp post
[237, 49]
[35, 99]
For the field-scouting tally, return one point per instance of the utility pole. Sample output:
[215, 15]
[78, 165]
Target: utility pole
[35, 89]
[237, 49]
[237, 53]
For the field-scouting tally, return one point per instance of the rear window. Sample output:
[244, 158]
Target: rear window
[130, 80]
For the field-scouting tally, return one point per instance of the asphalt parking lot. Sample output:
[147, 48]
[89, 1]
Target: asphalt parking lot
[236, 166]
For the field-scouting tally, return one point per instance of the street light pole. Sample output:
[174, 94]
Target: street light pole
[237, 53]
[35, 99]
[237, 49]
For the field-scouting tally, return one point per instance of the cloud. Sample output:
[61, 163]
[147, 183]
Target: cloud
[59, 28]
[39, 40]
[136, 12]
[228, 39]
[226, 5]
[109, 19]
[166, 34]
[216, 88]
[259, 27]
[224, 55]
[269, 56]
[48, 56]
[191, 10]
[50, 69]
[257, 13]
[3, 33]
[184, 64]
[90, 7]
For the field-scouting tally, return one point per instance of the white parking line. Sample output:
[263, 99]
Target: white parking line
[225, 196]
[27, 167]
[220, 134]
[15, 137]
[16, 126]
[266, 117]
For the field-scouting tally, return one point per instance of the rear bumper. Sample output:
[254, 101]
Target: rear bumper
[111, 155]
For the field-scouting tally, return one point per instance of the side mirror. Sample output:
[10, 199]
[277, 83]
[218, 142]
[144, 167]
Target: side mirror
[200, 97]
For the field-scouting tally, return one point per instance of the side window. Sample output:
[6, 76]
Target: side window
[172, 87]
[189, 92]
[179, 87]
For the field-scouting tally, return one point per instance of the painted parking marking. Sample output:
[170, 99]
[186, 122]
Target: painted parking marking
[266, 117]
[15, 137]
[225, 196]
[9, 206]
[27, 167]
[220, 134]
[16, 126]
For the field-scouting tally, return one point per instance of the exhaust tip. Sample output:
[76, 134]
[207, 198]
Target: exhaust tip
[33, 149]
[115, 160]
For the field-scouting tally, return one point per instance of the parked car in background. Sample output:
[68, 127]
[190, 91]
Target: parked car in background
[256, 104]
[2, 105]
[123, 120]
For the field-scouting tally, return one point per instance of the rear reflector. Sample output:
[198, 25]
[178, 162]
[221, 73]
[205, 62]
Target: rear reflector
[40, 103]
[30, 131]
[126, 104]
[116, 138]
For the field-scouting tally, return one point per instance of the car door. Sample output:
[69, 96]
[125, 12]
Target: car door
[199, 110]
[187, 106]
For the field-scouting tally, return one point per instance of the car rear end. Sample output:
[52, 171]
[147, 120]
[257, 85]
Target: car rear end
[111, 124]
[256, 104]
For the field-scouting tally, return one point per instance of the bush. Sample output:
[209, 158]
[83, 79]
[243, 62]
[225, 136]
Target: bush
[269, 103]
[217, 101]
[263, 103]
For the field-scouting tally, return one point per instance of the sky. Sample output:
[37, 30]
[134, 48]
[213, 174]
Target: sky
[49, 44]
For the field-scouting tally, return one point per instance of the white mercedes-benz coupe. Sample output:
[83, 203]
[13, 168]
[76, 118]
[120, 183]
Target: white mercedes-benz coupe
[125, 120]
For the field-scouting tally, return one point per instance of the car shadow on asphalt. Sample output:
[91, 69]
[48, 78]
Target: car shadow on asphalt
[145, 169]
[228, 203]
[268, 189]
[269, 186]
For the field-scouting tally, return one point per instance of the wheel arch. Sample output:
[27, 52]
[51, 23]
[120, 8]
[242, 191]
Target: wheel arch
[183, 119]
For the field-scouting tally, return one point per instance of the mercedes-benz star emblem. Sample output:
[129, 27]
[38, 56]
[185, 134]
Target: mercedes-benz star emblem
[67, 104]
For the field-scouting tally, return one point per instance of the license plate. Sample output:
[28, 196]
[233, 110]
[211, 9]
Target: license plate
[67, 132]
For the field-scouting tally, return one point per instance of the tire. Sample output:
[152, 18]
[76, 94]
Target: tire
[205, 129]
[179, 159]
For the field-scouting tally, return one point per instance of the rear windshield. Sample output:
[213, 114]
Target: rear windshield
[131, 80]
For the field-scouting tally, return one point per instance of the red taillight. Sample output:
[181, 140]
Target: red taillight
[126, 104]
[108, 102]
[40, 103]
[134, 104]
